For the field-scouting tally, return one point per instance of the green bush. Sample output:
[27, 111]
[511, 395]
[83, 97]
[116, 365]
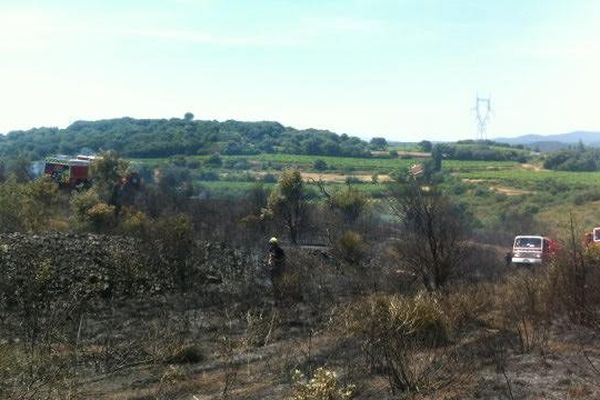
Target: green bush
[351, 247]
[27, 206]
[134, 223]
[587, 196]
[214, 160]
[101, 217]
[92, 213]
[320, 165]
[323, 385]
[395, 332]
[350, 203]
[411, 320]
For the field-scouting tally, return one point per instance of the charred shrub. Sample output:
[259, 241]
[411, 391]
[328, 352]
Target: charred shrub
[393, 330]
[524, 309]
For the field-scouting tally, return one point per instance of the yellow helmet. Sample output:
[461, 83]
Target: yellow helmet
[273, 240]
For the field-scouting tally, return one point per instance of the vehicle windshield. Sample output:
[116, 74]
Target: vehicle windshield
[597, 235]
[529, 242]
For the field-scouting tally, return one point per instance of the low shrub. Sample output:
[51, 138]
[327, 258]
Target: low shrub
[323, 385]
[351, 247]
[394, 331]
[465, 305]
[523, 300]
[260, 326]
[320, 165]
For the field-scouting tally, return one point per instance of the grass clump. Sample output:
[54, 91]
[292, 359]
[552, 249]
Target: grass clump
[324, 384]
[399, 335]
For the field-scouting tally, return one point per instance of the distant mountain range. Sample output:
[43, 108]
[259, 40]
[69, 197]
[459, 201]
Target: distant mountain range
[555, 142]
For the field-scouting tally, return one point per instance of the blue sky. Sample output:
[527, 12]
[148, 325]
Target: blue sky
[406, 70]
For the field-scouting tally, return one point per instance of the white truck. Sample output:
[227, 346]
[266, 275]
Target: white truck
[532, 249]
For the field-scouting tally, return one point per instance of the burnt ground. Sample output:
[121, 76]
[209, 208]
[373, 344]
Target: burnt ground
[109, 334]
[232, 366]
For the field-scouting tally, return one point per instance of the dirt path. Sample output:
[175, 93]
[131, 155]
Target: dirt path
[507, 190]
[510, 191]
[329, 177]
[532, 167]
[362, 176]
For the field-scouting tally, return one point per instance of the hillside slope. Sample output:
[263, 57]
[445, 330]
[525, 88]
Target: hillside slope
[166, 137]
[586, 137]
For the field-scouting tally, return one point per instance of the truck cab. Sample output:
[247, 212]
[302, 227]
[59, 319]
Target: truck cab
[532, 249]
[592, 238]
[595, 237]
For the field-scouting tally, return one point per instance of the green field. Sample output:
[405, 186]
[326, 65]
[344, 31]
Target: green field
[522, 178]
[272, 161]
[368, 165]
[503, 195]
[477, 174]
[235, 188]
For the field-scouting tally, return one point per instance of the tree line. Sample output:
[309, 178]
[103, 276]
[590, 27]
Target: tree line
[146, 138]
[580, 158]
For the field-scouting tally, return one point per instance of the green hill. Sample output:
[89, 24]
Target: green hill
[166, 137]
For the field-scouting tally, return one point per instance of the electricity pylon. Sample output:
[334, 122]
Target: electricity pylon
[483, 113]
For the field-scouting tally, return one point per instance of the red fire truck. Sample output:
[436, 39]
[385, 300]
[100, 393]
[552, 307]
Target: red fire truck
[69, 172]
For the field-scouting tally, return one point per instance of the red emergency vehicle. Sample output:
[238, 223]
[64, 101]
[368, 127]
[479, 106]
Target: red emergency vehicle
[69, 172]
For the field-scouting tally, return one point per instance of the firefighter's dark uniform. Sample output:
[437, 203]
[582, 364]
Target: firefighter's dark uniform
[276, 267]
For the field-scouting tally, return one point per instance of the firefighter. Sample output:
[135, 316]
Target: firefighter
[276, 265]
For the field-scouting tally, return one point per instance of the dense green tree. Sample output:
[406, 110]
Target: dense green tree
[20, 169]
[425, 145]
[320, 165]
[287, 202]
[107, 171]
[579, 159]
[26, 206]
[378, 143]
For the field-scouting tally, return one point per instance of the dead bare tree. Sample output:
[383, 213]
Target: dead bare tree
[432, 236]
